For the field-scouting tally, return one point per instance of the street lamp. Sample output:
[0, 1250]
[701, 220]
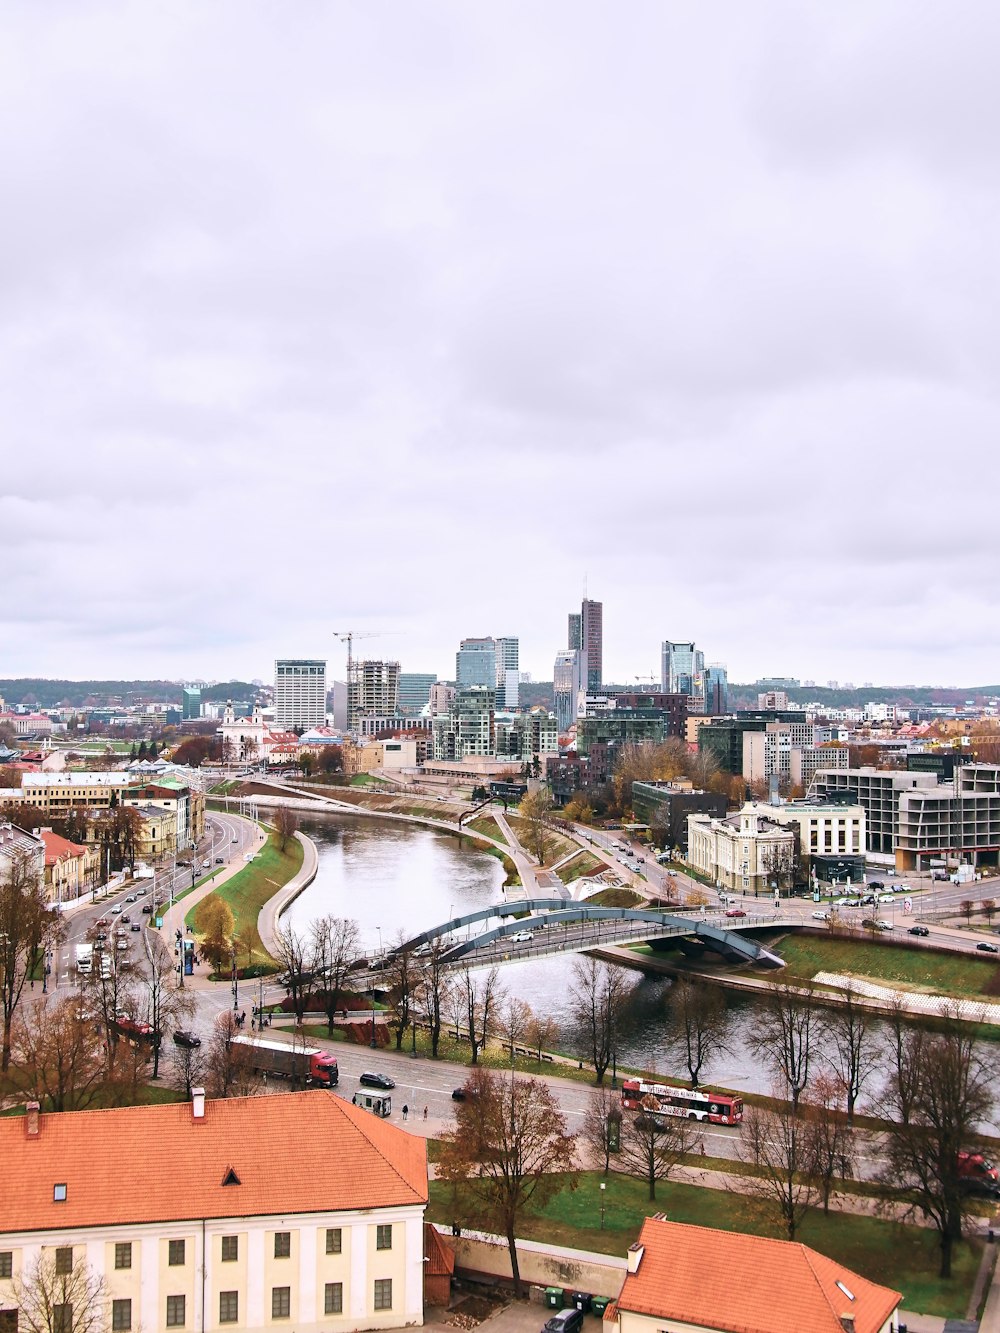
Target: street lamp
[603, 1188]
[379, 962]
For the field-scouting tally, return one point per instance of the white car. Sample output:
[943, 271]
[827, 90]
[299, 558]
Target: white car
[821, 916]
[521, 936]
[882, 924]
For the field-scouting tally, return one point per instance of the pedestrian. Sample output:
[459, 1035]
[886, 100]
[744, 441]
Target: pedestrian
[405, 1110]
[425, 1112]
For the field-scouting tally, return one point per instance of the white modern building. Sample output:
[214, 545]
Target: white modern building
[299, 694]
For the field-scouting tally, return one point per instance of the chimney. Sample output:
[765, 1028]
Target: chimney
[198, 1103]
[634, 1256]
[847, 1323]
[31, 1118]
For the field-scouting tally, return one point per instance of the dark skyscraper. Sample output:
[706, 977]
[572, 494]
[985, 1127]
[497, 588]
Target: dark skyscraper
[574, 638]
[592, 636]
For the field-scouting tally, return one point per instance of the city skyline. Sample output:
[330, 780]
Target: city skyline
[709, 292]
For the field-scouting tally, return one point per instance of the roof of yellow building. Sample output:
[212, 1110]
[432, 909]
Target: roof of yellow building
[737, 1283]
[287, 1153]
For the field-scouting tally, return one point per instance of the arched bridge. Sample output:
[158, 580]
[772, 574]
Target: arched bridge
[553, 927]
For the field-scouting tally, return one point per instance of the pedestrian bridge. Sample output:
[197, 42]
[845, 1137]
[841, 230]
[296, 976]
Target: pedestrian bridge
[556, 927]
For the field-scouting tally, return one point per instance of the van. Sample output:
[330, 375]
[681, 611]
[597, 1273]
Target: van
[376, 1102]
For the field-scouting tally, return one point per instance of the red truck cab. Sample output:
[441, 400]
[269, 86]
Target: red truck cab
[323, 1070]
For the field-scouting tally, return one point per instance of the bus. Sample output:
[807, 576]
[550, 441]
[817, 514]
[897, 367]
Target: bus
[660, 1099]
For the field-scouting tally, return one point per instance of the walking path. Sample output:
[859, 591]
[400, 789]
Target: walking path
[973, 1011]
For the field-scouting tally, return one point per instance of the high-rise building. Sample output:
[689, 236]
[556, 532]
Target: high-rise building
[716, 690]
[299, 694]
[468, 727]
[192, 702]
[574, 635]
[373, 687]
[508, 675]
[476, 663]
[592, 641]
[415, 691]
[682, 667]
[569, 683]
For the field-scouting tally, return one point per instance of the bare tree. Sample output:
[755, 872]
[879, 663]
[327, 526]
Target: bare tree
[189, 1068]
[946, 1092]
[602, 1125]
[514, 1022]
[229, 1067]
[335, 949]
[967, 907]
[989, 907]
[286, 825]
[536, 810]
[830, 1139]
[294, 953]
[852, 1047]
[58, 1055]
[49, 1300]
[402, 977]
[110, 992]
[778, 1146]
[479, 996]
[28, 926]
[435, 991]
[509, 1145]
[159, 1000]
[599, 994]
[698, 1023]
[653, 1145]
[784, 1036]
[905, 1046]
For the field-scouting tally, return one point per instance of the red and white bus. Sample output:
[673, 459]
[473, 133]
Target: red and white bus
[658, 1099]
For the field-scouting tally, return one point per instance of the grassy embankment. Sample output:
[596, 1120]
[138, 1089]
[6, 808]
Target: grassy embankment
[248, 891]
[613, 898]
[905, 1257]
[488, 827]
[911, 969]
[584, 864]
[556, 845]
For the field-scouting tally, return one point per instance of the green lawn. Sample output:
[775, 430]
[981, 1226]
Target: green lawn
[584, 864]
[614, 898]
[904, 1257]
[488, 827]
[249, 889]
[918, 968]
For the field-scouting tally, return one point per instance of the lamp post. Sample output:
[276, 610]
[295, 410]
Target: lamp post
[603, 1188]
[379, 962]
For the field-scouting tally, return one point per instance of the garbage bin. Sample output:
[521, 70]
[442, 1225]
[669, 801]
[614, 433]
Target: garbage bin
[582, 1299]
[599, 1304]
[554, 1298]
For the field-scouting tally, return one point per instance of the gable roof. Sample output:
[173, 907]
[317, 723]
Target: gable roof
[439, 1257]
[292, 1152]
[57, 847]
[686, 1273]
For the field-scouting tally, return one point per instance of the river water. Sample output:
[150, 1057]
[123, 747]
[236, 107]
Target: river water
[397, 879]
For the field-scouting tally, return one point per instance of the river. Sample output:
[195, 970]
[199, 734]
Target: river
[396, 879]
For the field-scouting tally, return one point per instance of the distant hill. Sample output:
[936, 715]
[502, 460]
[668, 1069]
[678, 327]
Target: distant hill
[904, 696]
[40, 693]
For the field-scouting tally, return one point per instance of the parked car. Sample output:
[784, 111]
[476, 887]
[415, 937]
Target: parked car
[919, 930]
[371, 1079]
[186, 1039]
[984, 946]
[566, 1321]
[735, 911]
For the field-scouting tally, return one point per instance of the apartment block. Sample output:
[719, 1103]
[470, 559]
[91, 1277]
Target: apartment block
[299, 694]
[372, 689]
[877, 791]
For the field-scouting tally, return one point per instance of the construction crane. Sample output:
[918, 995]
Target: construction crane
[348, 637]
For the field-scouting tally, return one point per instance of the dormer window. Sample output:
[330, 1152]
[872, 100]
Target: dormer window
[58, 1193]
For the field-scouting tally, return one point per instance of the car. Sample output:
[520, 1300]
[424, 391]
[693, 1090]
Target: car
[869, 900]
[116, 911]
[875, 884]
[135, 926]
[940, 875]
[100, 937]
[130, 898]
[122, 945]
[821, 916]
[235, 841]
[984, 946]
[126, 918]
[463, 1094]
[101, 921]
[219, 861]
[186, 1039]
[120, 932]
[867, 923]
[521, 937]
[148, 910]
[882, 924]
[371, 1079]
[919, 930]
[206, 864]
[735, 911]
[566, 1321]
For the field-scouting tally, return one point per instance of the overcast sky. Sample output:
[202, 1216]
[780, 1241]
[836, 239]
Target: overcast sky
[410, 317]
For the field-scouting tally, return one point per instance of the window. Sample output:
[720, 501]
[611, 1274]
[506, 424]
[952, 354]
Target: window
[333, 1298]
[383, 1293]
[229, 1307]
[62, 1318]
[334, 1240]
[282, 1244]
[58, 1193]
[64, 1259]
[230, 1249]
[7, 1261]
[123, 1254]
[175, 1253]
[281, 1302]
[383, 1237]
[121, 1316]
[175, 1312]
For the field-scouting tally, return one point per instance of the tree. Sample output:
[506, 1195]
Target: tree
[188, 1068]
[784, 1036]
[514, 1022]
[852, 1047]
[602, 1123]
[967, 907]
[295, 955]
[989, 907]
[28, 926]
[780, 865]
[335, 949]
[698, 1023]
[542, 1033]
[509, 1147]
[536, 811]
[652, 1146]
[478, 998]
[598, 994]
[286, 824]
[58, 1054]
[778, 1146]
[49, 1301]
[161, 1002]
[229, 1070]
[215, 924]
[942, 1086]
[402, 978]
[109, 988]
[830, 1138]
[435, 991]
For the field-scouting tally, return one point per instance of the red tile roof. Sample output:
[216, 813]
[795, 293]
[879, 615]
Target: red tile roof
[292, 1152]
[439, 1257]
[57, 847]
[747, 1284]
